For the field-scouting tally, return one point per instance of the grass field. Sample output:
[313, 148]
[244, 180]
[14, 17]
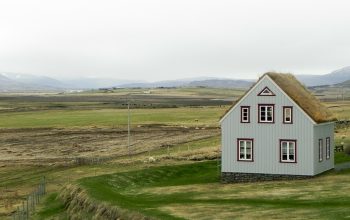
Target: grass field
[54, 126]
[192, 191]
[112, 117]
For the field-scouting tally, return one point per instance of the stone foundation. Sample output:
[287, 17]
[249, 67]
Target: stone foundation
[228, 177]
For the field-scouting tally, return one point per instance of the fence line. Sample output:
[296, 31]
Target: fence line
[28, 205]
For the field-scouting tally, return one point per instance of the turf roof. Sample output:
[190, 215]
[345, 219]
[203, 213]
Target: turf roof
[300, 95]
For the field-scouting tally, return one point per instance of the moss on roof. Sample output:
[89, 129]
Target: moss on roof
[300, 95]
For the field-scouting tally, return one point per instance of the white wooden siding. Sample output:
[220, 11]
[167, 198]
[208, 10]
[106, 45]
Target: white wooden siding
[266, 136]
[322, 131]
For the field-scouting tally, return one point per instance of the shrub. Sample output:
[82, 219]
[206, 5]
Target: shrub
[347, 148]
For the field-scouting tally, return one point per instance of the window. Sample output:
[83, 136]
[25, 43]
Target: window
[320, 150]
[245, 114]
[328, 148]
[288, 149]
[266, 92]
[266, 113]
[287, 115]
[245, 149]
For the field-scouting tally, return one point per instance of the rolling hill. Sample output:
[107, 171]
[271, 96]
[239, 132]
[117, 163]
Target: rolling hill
[335, 77]
[27, 82]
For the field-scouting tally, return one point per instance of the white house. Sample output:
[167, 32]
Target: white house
[277, 130]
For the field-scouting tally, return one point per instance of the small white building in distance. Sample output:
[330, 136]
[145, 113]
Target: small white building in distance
[276, 130]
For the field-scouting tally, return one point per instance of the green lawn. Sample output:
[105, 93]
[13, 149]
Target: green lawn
[341, 157]
[52, 207]
[112, 117]
[193, 191]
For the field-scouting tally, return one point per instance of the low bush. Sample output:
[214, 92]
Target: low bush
[347, 148]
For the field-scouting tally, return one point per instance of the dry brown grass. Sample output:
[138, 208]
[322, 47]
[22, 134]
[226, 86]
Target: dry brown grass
[60, 146]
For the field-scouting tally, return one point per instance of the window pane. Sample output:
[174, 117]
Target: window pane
[291, 147]
[287, 112]
[241, 149]
[241, 143]
[284, 151]
[269, 118]
[248, 144]
[284, 147]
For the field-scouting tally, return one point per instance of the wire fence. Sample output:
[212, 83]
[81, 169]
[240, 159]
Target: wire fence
[32, 200]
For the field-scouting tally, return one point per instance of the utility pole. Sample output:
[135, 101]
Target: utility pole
[129, 128]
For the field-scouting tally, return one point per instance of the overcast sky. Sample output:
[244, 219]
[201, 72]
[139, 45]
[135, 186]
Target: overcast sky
[160, 39]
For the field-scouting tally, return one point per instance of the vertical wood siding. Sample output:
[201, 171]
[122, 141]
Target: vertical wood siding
[266, 136]
[322, 131]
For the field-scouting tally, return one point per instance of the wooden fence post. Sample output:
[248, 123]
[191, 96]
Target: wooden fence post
[23, 209]
[27, 208]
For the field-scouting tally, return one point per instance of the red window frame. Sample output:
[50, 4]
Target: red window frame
[295, 150]
[242, 116]
[238, 149]
[284, 114]
[273, 113]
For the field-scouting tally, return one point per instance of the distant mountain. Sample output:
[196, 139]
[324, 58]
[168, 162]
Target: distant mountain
[193, 82]
[7, 84]
[222, 83]
[344, 84]
[26, 82]
[334, 77]
[95, 82]
[35, 81]
[171, 83]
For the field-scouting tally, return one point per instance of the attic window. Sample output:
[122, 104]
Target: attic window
[287, 114]
[245, 114]
[266, 92]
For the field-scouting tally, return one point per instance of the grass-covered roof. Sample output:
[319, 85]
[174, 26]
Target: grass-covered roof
[300, 95]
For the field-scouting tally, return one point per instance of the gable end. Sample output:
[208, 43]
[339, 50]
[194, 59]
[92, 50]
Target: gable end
[253, 87]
